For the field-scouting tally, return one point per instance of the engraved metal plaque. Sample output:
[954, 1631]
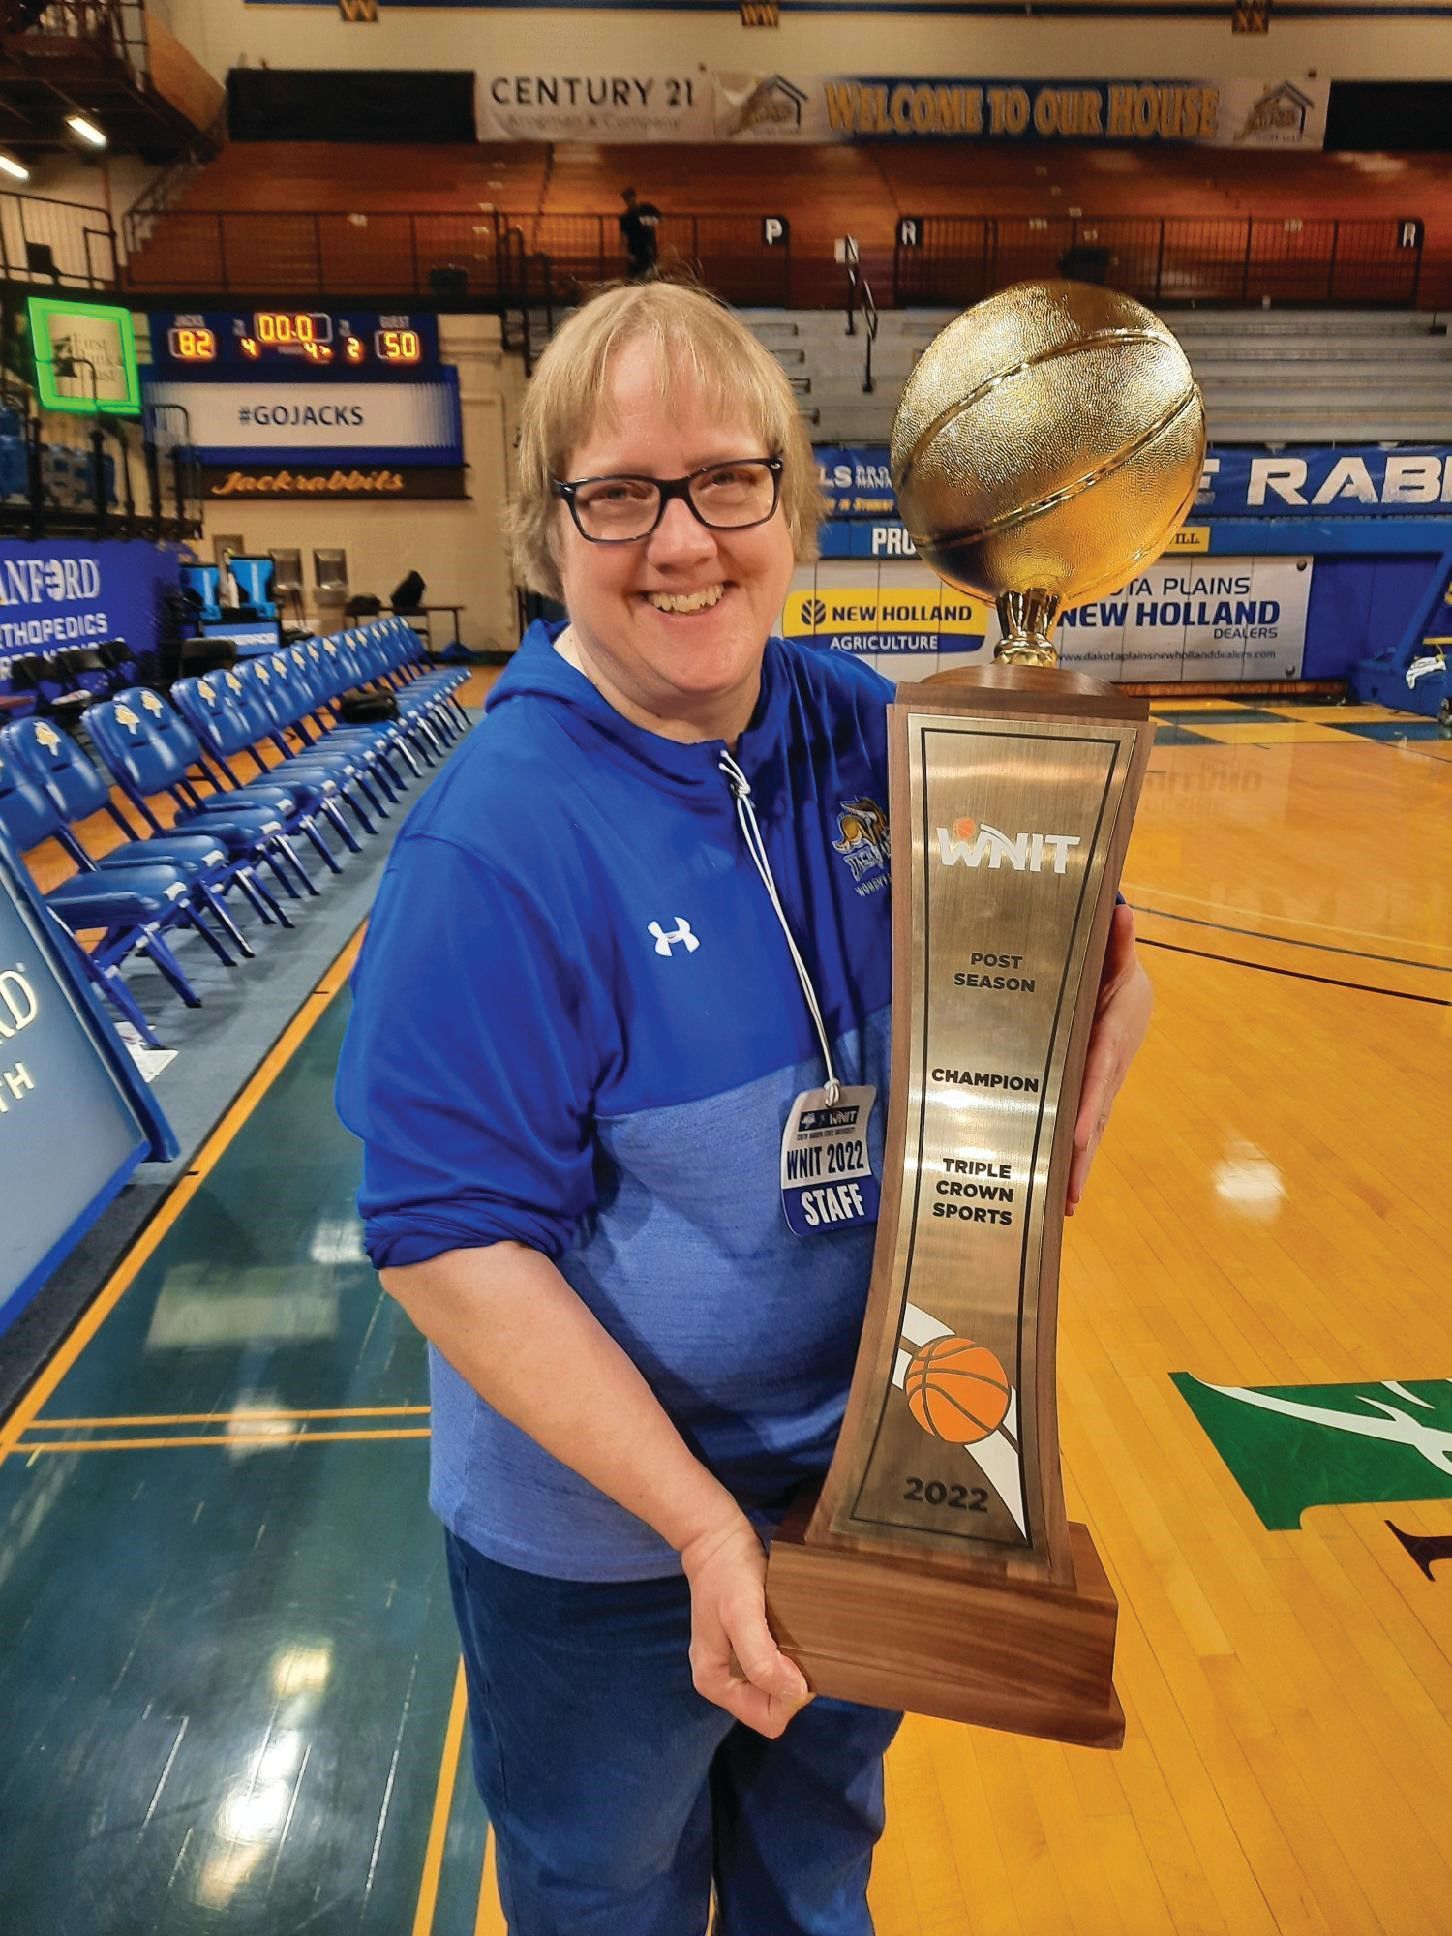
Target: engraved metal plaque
[1010, 821]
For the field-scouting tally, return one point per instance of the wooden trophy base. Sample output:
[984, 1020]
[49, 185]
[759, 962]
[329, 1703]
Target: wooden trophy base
[882, 1631]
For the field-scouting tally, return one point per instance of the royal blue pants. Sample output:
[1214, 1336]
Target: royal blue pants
[618, 1796]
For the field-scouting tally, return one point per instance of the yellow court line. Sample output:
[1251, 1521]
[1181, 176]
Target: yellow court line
[180, 1196]
[489, 1918]
[428, 1888]
[276, 1439]
[220, 1418]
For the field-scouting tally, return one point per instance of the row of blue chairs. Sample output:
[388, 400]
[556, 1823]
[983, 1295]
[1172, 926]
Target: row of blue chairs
[234, 833]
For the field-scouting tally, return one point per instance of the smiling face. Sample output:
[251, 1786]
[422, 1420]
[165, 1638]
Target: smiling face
[686, 674]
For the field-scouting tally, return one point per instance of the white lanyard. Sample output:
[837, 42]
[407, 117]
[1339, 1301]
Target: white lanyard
[741, 791]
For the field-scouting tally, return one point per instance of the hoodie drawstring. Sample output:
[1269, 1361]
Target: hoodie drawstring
[741, 792]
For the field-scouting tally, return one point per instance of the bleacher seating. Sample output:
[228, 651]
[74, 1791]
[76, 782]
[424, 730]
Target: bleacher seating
[1361, 377]
[14, 462]
[283, 190]
[289, 205]
[67, 470]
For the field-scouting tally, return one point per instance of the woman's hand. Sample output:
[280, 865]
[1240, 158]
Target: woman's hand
[1121, 1017]
[734, 1660]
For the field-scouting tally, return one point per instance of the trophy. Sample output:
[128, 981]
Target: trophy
[1048, 443]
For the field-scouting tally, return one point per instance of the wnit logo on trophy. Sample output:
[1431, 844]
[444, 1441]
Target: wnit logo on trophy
[974, 844]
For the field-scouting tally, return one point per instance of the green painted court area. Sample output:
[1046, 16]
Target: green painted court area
[1294, 1446]
[227, 1648]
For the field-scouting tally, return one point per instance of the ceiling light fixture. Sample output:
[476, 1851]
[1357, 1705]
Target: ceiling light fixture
[13, 167]
[86, 130]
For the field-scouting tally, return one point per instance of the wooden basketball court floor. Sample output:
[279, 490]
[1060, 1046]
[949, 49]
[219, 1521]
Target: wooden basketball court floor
[232, 1697]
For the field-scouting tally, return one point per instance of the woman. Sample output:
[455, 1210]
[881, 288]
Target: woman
[579, 1024]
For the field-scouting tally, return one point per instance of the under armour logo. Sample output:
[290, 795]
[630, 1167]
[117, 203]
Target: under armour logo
[680, 932]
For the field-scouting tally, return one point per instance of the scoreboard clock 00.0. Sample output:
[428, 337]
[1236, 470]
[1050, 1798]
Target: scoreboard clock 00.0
[294, 342]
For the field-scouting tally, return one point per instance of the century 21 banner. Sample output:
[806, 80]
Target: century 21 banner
[610, 105]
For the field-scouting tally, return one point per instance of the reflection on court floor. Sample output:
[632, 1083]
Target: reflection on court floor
[232, 1678]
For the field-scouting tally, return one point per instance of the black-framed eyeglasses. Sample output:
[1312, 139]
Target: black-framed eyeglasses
[624, 509]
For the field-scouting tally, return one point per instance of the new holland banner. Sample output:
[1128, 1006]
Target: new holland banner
[1180, 618]
[879, 618]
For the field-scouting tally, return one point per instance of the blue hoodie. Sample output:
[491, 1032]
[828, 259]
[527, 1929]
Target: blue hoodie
[538, 1053]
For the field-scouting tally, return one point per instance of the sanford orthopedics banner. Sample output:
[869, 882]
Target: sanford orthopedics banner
[70, 591]
[582, 103]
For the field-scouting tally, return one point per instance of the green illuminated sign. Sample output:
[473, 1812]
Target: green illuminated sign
[85, 356]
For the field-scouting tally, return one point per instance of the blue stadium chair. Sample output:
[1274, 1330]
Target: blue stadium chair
[229, 716]
[303, 685]
[120, 663]
[380, 657]
[346, 670]
[395, 644]
[133, 906]
[85, 671]
[43, 675]
[79, 790]
[407, 649]
[297, 709]
[253, 579]
[354, 773]
[202, 581]
[150, 752]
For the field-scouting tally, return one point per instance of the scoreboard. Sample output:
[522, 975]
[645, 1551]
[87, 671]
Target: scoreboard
[289, 399]
[296, 343]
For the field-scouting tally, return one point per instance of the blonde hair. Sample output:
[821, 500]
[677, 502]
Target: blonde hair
[698, 340]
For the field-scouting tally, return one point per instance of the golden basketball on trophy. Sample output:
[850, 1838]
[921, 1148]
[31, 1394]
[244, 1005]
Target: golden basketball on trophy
[1052, 437]
[1049, 442]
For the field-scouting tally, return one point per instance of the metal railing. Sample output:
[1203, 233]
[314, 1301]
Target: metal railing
[728, 253]
[139, 222]
[57, 245]
[115, 480]
[277, 252]
[526, 284]
[859, 296]
[460, 255]
[1232, 259]
[110, 29]
[386, 252]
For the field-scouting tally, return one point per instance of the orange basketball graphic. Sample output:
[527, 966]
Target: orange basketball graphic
[957, 1390]
[964, 829]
